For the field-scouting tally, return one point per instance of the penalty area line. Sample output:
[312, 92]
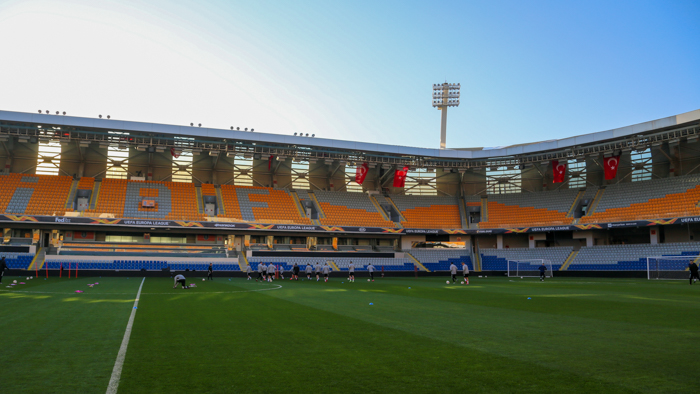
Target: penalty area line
[119, 363]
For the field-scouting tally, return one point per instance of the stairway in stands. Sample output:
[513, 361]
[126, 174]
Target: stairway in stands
[569, 260]
[95, 193]
[38, 261]
[242, 261]
[417, 263]
[220, 201]
[596, 200]
[71, 195]
[570, 213]
[198, 193]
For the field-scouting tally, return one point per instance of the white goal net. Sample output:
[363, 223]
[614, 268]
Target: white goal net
[669, 267]
[529, 268]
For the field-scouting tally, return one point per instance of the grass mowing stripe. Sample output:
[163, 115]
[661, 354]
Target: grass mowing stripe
[419, 335]
[64, 342]
[562, 333]
[256, 343]
[119, 363]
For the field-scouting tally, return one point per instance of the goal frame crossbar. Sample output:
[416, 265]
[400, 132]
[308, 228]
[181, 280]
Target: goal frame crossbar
[531, 263]
[677, 271]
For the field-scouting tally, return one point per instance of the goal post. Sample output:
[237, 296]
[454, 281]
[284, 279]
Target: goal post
[669, 267]
[529, 268]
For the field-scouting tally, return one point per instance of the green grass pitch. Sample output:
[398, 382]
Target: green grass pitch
[420, 335]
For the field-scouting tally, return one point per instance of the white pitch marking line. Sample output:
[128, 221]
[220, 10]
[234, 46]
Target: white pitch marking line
[179, 293]
[119, 363]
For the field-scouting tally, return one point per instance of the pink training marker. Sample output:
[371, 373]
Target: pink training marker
[22, 283]
[78, 291]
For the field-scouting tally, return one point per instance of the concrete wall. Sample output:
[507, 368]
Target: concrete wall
[318, 175]
[486, 241]
[372, 180]
[515, 241]
[162, 165]
[447, 183]
[624, 173]
[71, 159]
[336, 177]
[5, 148]
[661, 165]
[261, 175]
[533, 179]
[138, 161]
[689, 158]
[283, 173]
[203, 169]
[24, 156]
[474, 182]
[217, 170]
[95, 159]
[682, 233]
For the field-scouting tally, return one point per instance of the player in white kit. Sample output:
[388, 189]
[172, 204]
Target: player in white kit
[351, 272]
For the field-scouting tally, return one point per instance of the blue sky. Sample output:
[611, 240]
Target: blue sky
[360, 70]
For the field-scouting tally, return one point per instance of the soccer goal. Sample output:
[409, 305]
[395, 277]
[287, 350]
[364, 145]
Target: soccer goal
[669, 267]
[529, 268]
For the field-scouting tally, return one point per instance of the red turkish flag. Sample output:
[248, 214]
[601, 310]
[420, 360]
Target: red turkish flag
[175, 153]
[361, 173]
[559, 171]
[400, 177]
[269, 162]
[611, 164]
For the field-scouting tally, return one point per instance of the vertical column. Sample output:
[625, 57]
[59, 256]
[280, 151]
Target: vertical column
[443, 128]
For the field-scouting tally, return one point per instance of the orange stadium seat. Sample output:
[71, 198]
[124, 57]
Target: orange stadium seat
[427, 211]
[672, 205]
[267, 205]
[208, 189]
[501, 215]
[230, 201]
[37, 194]
[184, 201]
[112, 196]
[86, 183]
[435, 216]
[342, 216]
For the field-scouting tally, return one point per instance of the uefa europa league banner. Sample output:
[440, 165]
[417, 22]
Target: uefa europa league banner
[70, 223]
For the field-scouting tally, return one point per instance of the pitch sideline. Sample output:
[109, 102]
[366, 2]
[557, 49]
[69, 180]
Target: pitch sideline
[119, 363]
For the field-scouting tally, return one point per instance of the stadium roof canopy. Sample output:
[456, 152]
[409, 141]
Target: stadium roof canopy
[262, 145]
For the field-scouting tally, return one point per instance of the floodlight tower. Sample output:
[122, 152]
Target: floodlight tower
[445, 95]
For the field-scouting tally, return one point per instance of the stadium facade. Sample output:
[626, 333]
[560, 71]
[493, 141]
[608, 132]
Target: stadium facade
[117, 194]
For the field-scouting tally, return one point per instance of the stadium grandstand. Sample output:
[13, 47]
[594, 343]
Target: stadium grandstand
[119, 196]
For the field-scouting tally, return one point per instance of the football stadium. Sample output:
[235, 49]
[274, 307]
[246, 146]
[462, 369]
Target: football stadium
[99, 215]
[305, 233]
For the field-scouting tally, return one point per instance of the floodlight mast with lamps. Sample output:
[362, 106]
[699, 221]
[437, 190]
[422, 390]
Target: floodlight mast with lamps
[445, 95]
